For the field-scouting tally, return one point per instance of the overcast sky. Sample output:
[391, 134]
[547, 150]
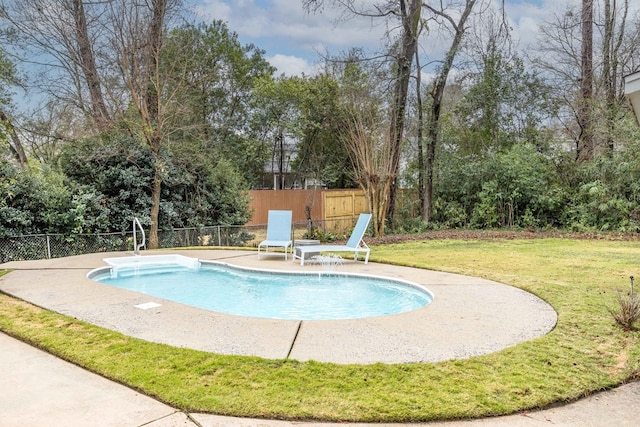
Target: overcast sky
[293, 38]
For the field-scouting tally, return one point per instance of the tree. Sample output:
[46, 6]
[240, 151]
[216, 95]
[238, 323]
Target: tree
[505, 104]
[118, 168]
[218, 93]
[559, 55]
[408, 12]
[198, 189]
[60, 38]
[585, 144]
[365, 136]
[137, 38]
[87, 65]
[612, 57]
[410, 17]
[8, 132]
[278, 109]
[437, 94]
[320, 153]
[44, 201]
[64, 37]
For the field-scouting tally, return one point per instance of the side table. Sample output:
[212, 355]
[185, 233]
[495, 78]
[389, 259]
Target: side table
[304, 242]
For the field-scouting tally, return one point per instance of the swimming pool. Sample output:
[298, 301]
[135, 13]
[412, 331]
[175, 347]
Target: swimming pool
[246, 292]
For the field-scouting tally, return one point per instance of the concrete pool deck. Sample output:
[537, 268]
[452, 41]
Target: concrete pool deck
[42, 390]
[468, 317]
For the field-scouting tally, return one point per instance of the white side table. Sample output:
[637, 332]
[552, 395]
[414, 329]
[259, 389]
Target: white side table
[305, 242]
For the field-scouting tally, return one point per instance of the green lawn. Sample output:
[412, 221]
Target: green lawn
[586, 352]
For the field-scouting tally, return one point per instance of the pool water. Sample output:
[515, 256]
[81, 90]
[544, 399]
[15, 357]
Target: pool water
[275, 295]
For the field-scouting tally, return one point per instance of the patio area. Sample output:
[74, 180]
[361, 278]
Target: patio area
[468, 317]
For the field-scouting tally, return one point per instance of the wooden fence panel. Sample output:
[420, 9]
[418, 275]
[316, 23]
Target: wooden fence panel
[341, 209]
[334, 211]
[337, 210]
[294, 200]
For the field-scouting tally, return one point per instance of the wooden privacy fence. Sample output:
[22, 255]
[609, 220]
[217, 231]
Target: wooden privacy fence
[341, 209]
[336, 210]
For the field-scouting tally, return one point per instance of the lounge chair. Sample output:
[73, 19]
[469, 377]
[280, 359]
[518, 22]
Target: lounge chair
[278, 232]
[355, 243]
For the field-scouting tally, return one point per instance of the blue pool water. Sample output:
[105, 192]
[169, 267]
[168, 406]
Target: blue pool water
[266, 294]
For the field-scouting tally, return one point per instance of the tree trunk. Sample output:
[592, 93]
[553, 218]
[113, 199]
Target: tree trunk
[281, 159]
[419, 125]
[437, 94]
[610, 54]
[154, 133]
[14, 142]
[376, 191]
[155, 204]
[99, 111]
[404, 61]
[585, 144]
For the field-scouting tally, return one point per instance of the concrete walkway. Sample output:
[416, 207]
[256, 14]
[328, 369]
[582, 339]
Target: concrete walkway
[38, 389]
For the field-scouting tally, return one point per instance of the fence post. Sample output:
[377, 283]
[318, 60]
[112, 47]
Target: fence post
[48, 247]
[219, 237]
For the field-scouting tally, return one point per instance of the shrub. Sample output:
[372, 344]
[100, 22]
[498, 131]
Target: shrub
[628, 310]
[317, 234]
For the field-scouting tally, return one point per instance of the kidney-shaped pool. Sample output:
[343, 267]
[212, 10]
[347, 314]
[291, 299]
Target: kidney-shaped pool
[270, 294]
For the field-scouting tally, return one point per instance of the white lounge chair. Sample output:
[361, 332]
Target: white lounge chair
[355, 243]
[278, 232]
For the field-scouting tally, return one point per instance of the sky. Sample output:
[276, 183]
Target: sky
[293, 39]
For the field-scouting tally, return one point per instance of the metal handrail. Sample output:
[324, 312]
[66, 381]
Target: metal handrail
[136, 247]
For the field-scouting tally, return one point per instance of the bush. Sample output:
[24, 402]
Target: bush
[317, 234]
[198, 189]
[452, 214]
[514, 188]
[606, 195]
[628, 310]
[412, 226]
[40, 200]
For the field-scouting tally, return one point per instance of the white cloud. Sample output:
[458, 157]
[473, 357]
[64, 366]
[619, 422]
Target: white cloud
[292, 37]
[292, 65]
[213, 9]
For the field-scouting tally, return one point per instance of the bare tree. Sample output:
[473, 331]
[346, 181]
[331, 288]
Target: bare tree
[411, 15]
[408, 13]
[370, 150]
[9, 79]
[559, 55]
[137, 41]
[87, 63]
[585, 142]
[15, 146]
[62, 37]
[57, 39]
[437, 94]
[420, 137]
[612, 44]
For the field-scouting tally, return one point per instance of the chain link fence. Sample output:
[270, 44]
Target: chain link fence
[46, 246]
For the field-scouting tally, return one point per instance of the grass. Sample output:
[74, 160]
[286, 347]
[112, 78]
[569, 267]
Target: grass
[586, 352]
